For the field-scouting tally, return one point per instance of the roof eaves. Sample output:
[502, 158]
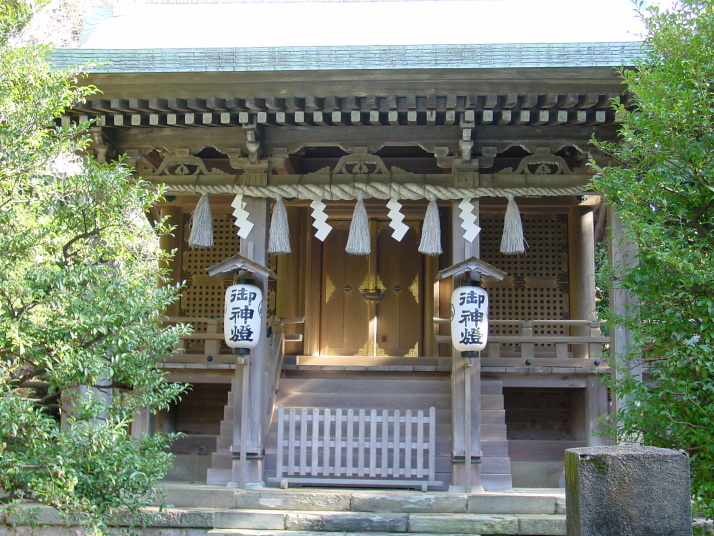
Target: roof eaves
[471, 56]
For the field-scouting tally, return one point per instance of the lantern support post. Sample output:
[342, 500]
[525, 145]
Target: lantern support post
[469, 328]
[250, 282]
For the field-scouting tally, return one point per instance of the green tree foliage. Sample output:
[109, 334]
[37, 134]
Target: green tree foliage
[663, 189]
[80, 305]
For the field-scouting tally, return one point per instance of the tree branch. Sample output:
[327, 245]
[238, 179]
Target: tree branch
[65, 249]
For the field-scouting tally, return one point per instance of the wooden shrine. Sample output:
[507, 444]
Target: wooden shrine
[355, 381]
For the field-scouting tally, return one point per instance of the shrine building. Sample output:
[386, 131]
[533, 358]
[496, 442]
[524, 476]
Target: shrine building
[357, 186]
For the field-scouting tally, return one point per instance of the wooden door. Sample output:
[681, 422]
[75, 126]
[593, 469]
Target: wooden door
[371, 304]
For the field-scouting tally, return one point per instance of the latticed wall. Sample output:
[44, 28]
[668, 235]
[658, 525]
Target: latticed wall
[204, 295]
[535, 288]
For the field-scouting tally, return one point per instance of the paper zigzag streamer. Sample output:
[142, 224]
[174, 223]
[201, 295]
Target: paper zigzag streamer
[397, 223]
[320, 220]
[241, 216]
[471, 230]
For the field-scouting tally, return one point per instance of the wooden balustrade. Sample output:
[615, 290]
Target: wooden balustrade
[537, 339]
[508, 340]
[388, 448]
[206, 343]
[274, 363]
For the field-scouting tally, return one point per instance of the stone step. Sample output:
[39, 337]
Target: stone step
[524, 501]
[249, 532]
[389, 523]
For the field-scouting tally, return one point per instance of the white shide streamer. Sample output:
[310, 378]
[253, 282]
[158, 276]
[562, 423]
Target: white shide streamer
[241, 216]
[397, 219]
[319, 220]
[468, 223]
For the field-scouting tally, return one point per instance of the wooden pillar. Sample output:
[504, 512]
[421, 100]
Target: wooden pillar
[622, 253]
[250, 382]
[173, 242]
[142, 423]
[465, 386]
[596, 405]
[581, 265]
[311, 266]
[431, 306]
[290, 292]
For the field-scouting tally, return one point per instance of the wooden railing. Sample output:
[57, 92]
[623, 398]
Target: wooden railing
[202, 342]
[531, 342]
[206, 341]
[274, 362]
[347, 447]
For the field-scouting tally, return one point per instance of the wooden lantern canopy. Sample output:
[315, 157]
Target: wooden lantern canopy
[469, 306]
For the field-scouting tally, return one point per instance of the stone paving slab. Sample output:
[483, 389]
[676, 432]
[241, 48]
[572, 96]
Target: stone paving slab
[463, 523]
[246, 532]
[250, 519]
[512, 504]
[201, 497]
[409, 502]
[347, 522]
[293, 500]
[554, 525]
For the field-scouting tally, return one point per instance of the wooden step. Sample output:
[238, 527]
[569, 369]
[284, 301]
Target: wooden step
[388, 400]
[371, 361]
[491, 387]
[365, 385]
[378, 390]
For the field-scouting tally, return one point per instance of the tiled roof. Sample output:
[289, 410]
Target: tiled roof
[392, 57]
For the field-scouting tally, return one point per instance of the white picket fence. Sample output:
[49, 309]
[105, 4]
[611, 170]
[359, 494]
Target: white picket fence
[376, 448]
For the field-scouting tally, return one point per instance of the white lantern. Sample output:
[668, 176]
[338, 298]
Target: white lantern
[469, 319]
[242, 322]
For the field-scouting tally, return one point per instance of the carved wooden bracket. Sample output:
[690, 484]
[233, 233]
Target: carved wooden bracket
[540, 165]
[184, 164]
[360, 162]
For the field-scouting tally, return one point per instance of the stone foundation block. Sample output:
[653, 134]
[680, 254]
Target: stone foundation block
[627, 491]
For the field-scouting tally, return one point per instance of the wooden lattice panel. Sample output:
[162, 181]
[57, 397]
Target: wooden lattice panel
[534, 287]
[204, 295]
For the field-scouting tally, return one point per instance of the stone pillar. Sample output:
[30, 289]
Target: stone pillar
[627, 491]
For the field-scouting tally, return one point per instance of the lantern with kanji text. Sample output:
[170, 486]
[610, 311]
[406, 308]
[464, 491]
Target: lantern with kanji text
[469, 318]
[242, 322]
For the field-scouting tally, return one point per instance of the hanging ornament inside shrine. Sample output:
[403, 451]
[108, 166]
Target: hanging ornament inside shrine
[242, 321]
[469, 319]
